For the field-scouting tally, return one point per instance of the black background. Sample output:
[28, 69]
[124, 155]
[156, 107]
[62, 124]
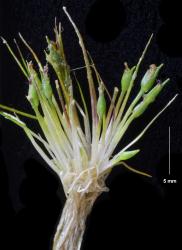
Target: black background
[137, 212]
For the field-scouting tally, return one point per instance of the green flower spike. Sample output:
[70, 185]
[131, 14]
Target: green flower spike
[150, 77]
[32, 94]
[79, 147]
[126, 78]
[46, 85]
[101, 103]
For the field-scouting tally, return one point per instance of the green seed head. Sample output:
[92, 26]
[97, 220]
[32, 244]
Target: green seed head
[56, 58]
[33, 74]
[32, 94]
[126, 78]
[53, 56]
[127, 155]
[46, 86]
[148, 99]
[149, 78]
[140, 109]
[101, 103]
[151, 96]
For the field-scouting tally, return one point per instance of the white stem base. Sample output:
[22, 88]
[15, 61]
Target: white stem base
[71, 227]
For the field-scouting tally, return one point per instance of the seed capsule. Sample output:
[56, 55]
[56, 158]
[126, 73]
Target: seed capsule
[151, 96]
[140, 109]
[101, 103]
[126, 78]
[56, 58]
[148, 99]
[46, 86]
[127, 155]
[33, 74]
[32, 94]
[149, 78]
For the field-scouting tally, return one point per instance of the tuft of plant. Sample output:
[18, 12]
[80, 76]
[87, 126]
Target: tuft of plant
[80, 147]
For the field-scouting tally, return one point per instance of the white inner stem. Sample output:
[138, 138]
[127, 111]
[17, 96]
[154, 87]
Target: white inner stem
[71, 226]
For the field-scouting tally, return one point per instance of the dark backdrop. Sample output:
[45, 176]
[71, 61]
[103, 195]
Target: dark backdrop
[137, 212]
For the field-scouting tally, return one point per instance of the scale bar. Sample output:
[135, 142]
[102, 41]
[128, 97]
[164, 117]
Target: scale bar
[169, 150]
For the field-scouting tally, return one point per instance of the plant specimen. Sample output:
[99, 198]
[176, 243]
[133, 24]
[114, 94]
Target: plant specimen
[77, 145]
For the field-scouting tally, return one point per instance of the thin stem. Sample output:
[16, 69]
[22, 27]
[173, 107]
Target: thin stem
[21, 55]
[89, 72]
[112, 106]
[18, 112]
[121, 96]
[15, 57]
[33, 53]
[130, 109]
